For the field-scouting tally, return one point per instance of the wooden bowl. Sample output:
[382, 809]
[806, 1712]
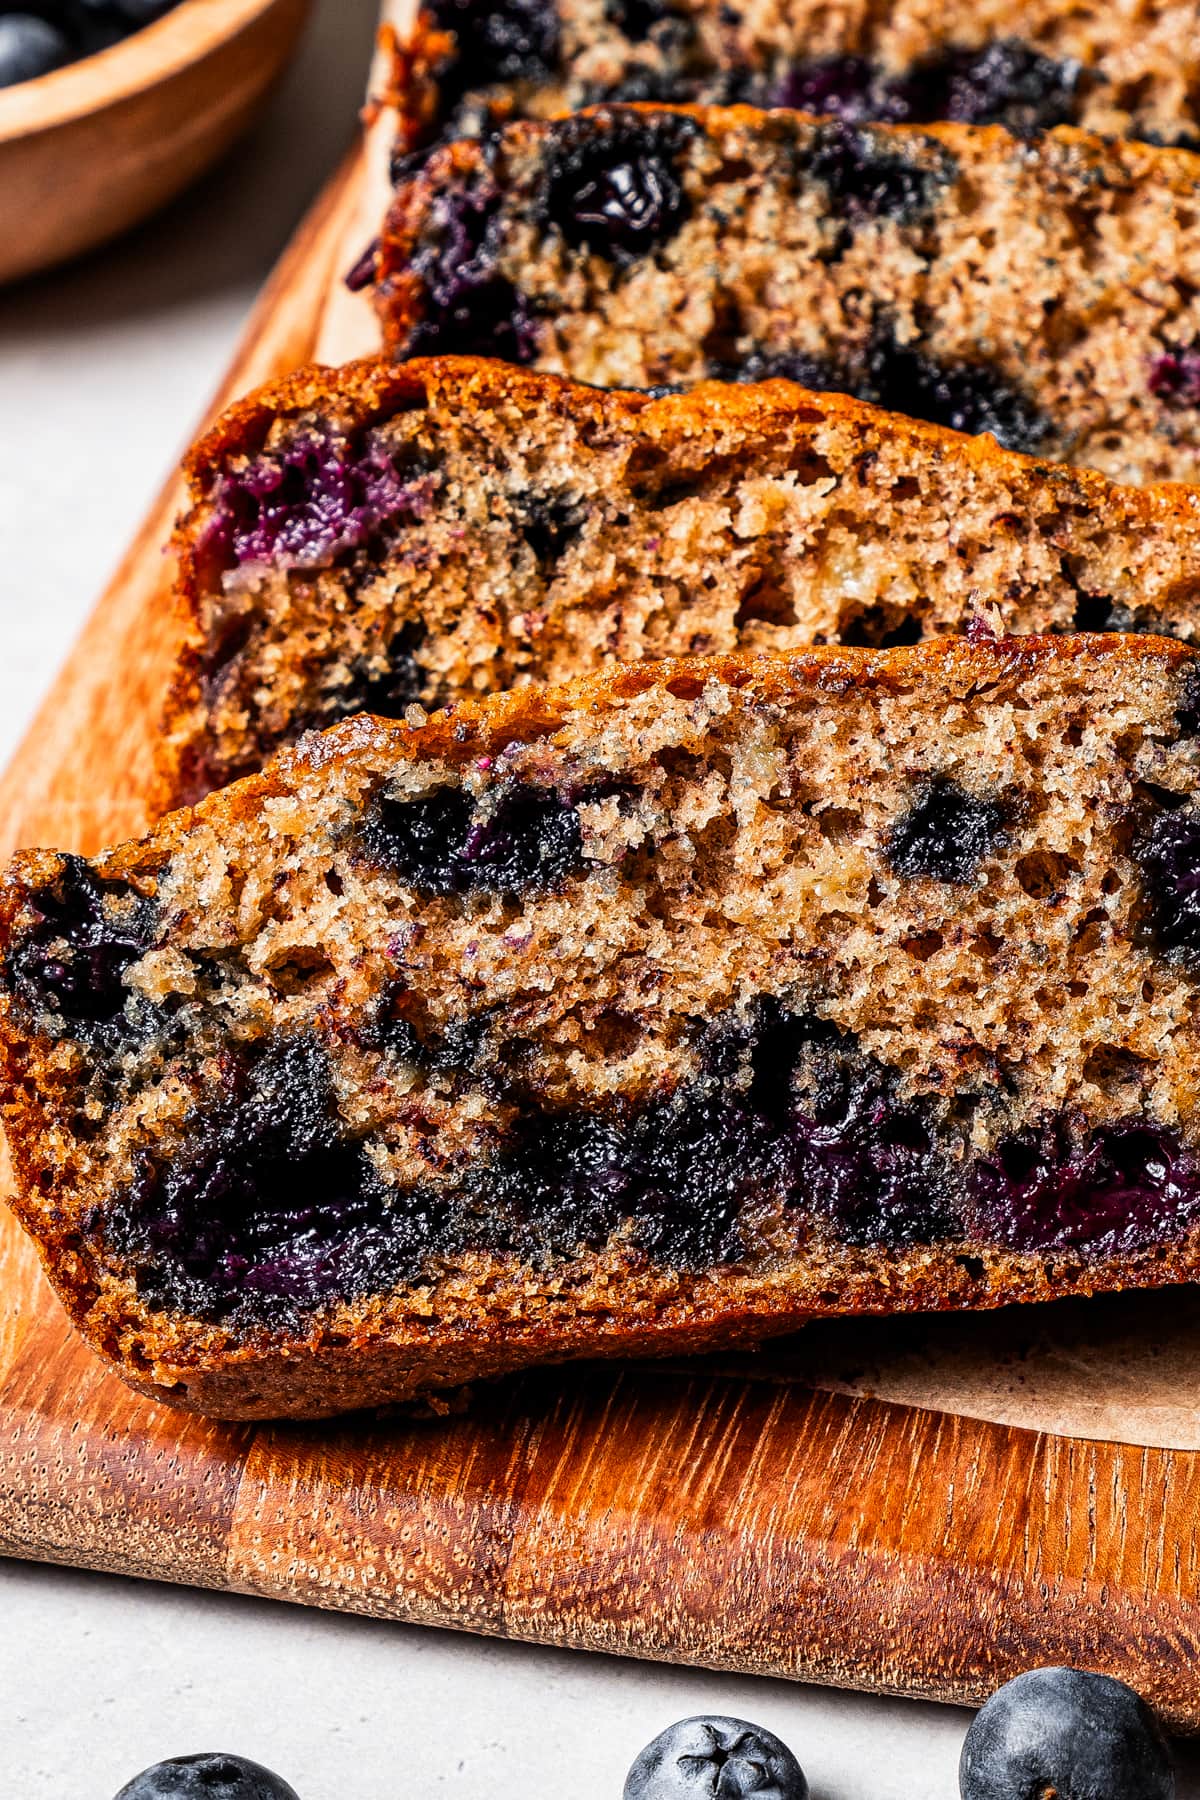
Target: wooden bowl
[88, 150]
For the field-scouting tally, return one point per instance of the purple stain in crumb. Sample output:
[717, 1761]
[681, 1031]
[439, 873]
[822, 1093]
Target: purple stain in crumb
[1175, 376]
[980, 630]
[315, 498]
[844, 87]
[469, 308]
[1109, 1191]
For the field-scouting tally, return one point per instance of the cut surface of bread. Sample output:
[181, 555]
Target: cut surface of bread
[469, 66]
[663, 1010]
[382, 536]
[1047, 292]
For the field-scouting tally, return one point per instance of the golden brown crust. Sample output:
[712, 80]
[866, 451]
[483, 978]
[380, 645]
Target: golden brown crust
[467, 729]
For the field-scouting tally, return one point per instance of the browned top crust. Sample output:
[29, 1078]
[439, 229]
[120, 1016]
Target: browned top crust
[372, 389]
[465, 730]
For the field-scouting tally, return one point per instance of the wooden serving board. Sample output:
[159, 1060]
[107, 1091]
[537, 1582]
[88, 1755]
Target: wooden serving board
[758, 1515]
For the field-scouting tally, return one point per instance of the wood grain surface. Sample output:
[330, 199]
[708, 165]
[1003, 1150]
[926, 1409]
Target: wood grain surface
[727, 1516]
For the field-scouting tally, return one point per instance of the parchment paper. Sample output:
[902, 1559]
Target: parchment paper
[1123, 1368]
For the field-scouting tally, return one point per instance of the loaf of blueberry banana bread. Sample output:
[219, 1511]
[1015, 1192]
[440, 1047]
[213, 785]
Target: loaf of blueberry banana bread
[384, 535]
[1048, 293]
[662, 1010]
[469, 66]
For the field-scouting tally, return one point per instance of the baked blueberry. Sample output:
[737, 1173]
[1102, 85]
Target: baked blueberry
[30, 46]
[1111, 1191]
[469, 307]
[549, 524]
[1068, 1733]
[617, 190]
[526, 840]
[1175, 376]
[1003, 83]
[210, 1777]
[387, 687]
[865, 177]
[946, 833]
[73, 960]
[497, 40]
[876, 1167]
[266, 1206]
[638, 19]
[965, 397]
[1167, 851]
[819, 373]
[726, 1759]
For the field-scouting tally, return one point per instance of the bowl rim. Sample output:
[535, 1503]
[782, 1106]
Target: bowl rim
[149, 56]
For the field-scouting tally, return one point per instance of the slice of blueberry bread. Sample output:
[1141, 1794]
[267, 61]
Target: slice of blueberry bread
[662, 1010]
[470, 66]
[1048, 293]
[384, 535]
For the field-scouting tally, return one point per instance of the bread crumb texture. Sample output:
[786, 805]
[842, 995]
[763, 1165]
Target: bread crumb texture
[660, 1010]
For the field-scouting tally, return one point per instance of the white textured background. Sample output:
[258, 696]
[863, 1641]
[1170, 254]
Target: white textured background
[103, 370]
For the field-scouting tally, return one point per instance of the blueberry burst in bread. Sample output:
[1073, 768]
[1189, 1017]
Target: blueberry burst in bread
[660, 1011]
[471, 65]
[368, 538]
[1048, 293]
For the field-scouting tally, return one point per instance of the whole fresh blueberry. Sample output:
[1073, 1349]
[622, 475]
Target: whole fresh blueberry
[1066, 1732]
[30, 47]
[209, 1777]
[715, 1759]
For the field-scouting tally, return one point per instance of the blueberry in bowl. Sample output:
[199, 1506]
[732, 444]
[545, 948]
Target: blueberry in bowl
[38, 41]
[114, 106]
[29, 47]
